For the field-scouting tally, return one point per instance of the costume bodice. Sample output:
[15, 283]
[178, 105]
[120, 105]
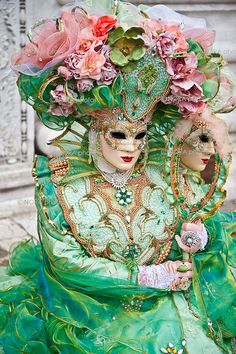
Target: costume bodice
[135, 224]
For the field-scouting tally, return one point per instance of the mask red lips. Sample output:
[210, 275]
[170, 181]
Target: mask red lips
[127, 158]
[205, 161]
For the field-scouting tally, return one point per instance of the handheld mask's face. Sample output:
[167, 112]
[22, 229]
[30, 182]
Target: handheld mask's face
[197, 150]
[122, 143]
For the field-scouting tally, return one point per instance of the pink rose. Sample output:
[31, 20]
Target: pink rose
[187, 108]
[90, 66]
[187, 89]
[181, 45]
[87, 40]
[181, 67]
[84, 45]
[84, 85]
[152, 30]
[109, 70]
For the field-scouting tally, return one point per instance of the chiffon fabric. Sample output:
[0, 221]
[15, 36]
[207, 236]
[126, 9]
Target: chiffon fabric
[56, 298]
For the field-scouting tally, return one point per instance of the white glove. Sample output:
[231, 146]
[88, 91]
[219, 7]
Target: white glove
[166, 275]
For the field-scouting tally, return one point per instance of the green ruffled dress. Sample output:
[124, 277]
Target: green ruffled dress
[57, 298]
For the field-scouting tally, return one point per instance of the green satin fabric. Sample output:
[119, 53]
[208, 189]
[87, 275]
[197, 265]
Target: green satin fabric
[55, 298]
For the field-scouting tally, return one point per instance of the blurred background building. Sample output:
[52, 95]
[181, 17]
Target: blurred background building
[20, 132]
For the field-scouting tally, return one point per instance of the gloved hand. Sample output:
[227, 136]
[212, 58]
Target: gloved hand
[194, 231]
[166, 275]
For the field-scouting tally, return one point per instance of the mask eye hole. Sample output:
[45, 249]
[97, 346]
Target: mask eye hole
[140, 136]
[204, 138]
[118, 135]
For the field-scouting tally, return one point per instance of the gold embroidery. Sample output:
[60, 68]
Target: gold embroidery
[103, 195]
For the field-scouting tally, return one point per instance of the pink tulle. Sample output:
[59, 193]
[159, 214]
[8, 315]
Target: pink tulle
[48, 46]
[202, 36]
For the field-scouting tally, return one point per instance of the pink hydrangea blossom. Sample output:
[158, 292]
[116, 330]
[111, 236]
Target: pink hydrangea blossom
[65, 72]
[108, 74]
[84, 85]
[61, 110]
[59, 94]
[72, 64]
[109, 70]
[62, 106]
[165, 44]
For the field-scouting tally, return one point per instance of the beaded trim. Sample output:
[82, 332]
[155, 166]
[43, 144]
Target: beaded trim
[98, 189]
[174, 167]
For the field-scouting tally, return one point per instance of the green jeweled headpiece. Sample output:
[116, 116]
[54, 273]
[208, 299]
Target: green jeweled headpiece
[144, 86]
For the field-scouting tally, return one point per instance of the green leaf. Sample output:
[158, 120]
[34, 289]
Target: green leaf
[134, 32]
[115, 35]
[118, 58]
[210, 88]
[117, 85]
[215, 55]
[137, 53]
[199, 51]
[128, 68]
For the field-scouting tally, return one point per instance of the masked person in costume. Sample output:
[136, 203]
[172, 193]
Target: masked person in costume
[128, 262]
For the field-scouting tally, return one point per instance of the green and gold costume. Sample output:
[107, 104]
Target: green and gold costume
[77, 292]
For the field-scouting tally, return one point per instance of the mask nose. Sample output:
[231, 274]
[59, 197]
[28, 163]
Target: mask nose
[130, 145]
[211, 149]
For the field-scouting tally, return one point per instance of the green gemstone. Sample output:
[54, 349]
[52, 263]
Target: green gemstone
[181, 199]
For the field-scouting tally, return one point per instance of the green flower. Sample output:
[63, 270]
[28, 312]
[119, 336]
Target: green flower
[127, 47]
[124, 196]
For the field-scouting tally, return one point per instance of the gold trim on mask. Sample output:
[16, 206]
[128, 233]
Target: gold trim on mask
[201, 140]
[119, 132]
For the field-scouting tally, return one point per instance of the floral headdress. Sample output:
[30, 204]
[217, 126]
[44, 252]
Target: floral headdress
[82, 62]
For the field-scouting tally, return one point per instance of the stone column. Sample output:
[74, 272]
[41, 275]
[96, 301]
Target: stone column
[16, 118]
[17, 128]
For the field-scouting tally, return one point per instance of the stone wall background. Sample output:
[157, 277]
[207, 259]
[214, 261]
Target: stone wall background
[18, 131]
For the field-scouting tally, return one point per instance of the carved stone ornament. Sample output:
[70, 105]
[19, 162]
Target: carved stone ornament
[16, 144]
